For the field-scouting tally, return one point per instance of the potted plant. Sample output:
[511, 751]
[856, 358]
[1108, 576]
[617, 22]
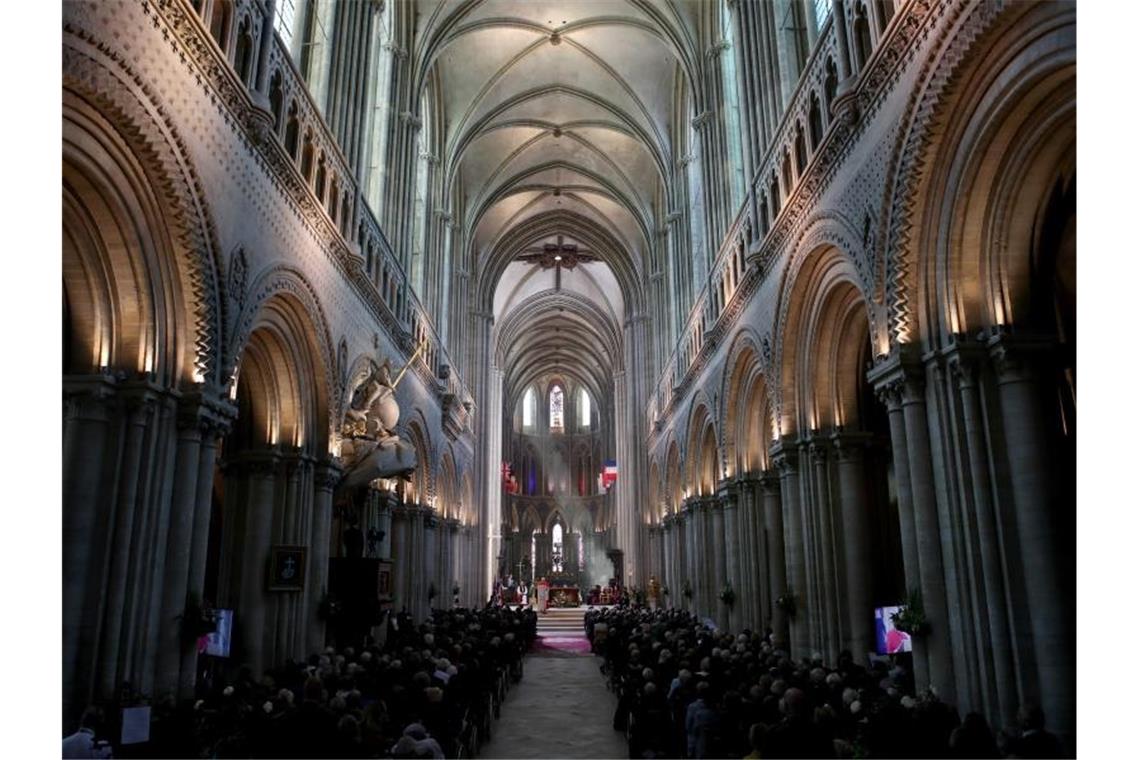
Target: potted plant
[687, 590]
[911, 618]
[432, 592]
[787, 603]
[727, 595]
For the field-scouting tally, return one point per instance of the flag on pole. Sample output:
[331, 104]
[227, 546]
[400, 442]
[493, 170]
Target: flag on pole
[610, 473]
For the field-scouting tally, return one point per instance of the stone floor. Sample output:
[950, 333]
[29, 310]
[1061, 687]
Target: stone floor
[560, 709]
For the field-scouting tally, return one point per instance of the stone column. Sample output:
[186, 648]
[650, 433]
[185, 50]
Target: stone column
[730, 529]
[907, 381]
[786, 459]
[213, 426]
[839, 22]
[693, 602]
[964, 369]
[249, 612]
[87, 410]
[327, 476]
[1016, 362]
[777, 564]
[264, 48]
[178, 549]
[399, 557]
[827, 547]
[742, 570]
[429, 561]
[856, 542]
[138, 412]
[719, 574]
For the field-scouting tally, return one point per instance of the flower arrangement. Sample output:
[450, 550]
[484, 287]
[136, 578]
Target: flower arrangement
[787, 603]
[911, 618]
[455, 590]
[664, 591]
[639, 596]
[687, 590]
[727, 595]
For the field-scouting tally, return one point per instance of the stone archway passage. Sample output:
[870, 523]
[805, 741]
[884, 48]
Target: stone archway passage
[561, 708]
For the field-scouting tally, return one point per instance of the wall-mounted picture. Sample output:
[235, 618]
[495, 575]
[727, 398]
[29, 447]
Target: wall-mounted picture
[286, 568]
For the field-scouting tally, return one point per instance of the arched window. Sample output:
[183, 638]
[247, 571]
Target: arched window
[731, 97]
[533, 552]
[243, 52]
[556, 406]
[556, 549]
[528, 410]
[822, 10]
[311, 48]
[815, 122]
[583, 409]
[419, 229]
[220, 22]
[292, 131]
[276, 100]
[285, 22]
[862, 31]
[379, 112]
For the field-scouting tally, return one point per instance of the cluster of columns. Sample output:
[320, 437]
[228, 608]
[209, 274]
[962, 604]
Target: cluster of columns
[275, 497]
[138, 465]
[984, 529]
[428, 552]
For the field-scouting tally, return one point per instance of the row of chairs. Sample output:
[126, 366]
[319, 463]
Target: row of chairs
[479, 718]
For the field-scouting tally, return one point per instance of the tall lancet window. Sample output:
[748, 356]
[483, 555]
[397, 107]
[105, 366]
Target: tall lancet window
[822, 11]
[529, 407]
[556, 549]
[731, 106]
[583, 409]
[556, 405]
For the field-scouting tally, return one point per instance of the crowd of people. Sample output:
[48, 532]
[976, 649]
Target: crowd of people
[432, 690]
[685, 690]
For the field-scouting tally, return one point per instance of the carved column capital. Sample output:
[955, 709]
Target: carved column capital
[1016, 357]
[850, 445]
[327, 474]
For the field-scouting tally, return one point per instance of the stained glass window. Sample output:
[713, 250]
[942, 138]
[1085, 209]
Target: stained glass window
[556, 403]
[556, 550]
[584, 410]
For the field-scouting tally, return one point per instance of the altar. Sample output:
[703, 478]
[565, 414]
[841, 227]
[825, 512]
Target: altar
[564, 596]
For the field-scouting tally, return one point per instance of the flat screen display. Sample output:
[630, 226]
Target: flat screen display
[888, 639]
[218, 642]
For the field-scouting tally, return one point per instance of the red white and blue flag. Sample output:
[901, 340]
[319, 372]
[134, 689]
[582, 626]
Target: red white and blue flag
[609, 473]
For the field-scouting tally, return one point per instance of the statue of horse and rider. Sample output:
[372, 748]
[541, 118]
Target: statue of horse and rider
[371, 449]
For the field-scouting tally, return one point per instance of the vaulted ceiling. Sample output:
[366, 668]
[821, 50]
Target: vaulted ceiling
[557, 120]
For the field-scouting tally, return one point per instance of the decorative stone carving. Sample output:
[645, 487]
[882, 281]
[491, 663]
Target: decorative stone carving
[373, 449]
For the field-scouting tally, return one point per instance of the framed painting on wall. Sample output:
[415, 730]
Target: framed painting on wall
[286, 568]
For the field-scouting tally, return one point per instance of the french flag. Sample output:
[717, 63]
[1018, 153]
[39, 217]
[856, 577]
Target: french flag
[609, 473]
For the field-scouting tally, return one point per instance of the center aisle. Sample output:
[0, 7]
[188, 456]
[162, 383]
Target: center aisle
[561, 708]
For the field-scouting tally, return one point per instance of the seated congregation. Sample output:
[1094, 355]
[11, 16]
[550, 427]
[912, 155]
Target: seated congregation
[430, 691]
[685, 690]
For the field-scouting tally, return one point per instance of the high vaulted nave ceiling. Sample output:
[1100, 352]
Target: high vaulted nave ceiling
[555, 106]
[557, 121]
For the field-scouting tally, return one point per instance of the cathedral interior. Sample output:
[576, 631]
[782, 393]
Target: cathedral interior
[763, 310]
